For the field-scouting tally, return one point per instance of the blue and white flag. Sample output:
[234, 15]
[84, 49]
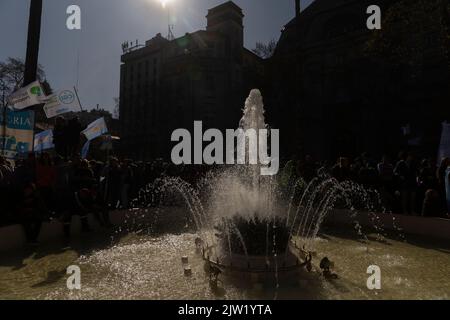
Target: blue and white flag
[85, 149]
[43, 141]
[96, 129]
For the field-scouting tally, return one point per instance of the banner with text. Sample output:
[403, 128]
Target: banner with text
[17, 137]
[27, 96]
[61, 102]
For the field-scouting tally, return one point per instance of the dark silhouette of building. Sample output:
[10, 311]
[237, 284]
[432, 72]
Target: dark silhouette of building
[337, 88]
[204, 75]
[333, 87]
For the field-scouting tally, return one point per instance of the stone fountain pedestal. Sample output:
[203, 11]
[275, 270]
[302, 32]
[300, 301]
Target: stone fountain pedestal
[256, 269]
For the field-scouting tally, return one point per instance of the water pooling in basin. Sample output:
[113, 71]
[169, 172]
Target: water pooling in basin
[146, 267]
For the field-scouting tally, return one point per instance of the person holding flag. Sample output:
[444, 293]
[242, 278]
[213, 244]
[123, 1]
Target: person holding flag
[43, 141]
[73, 137]
[93, 131]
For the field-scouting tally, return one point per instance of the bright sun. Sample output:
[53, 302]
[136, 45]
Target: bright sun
[164, 2]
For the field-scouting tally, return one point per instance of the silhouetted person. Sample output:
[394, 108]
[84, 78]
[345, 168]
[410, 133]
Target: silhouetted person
[441, 177]
[341, 171]
[75, 203]
[113, 178]
[73, 132]
[386, 178]
[6, 192]
[60, 137]
[45, 178]
[405, 172]
[426, 181]
[447, 188]
[30, 213]
[431, 206]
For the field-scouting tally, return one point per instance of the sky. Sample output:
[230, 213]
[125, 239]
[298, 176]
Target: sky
[91, 56]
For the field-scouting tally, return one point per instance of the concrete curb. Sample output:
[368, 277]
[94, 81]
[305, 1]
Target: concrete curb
[13, 237]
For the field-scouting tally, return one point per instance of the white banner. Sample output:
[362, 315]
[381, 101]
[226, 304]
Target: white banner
[27, 96]
[61, 102]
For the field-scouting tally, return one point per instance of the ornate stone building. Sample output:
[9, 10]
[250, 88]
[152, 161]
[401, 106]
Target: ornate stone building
[336, 88]
[204, 75]
[333, 87]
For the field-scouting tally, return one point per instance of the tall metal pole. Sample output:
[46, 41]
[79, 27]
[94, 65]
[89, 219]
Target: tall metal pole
[34, 35]
[78, 98]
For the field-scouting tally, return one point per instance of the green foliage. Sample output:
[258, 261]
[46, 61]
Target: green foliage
[265, 51]
[410, 28]
[261, 237]
[11, 77]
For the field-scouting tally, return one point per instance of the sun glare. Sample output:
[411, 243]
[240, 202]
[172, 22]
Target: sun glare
[164, 2]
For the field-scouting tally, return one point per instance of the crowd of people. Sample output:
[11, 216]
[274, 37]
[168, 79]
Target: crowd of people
[45, 187]
[406, 185]
[66, 136]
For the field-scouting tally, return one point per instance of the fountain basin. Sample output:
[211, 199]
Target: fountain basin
[256, 268]
[253, 236]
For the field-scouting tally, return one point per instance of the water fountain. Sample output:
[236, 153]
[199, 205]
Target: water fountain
[243, 221]
[245, 224]
[250, 234]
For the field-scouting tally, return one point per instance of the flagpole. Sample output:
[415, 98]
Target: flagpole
[78, 98]
[34, 34]
[78, 66]
[31, 60]
[34, 129]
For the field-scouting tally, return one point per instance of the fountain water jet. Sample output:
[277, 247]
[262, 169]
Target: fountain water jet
[243, 219]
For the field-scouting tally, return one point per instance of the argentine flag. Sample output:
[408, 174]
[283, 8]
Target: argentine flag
[43, 141]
